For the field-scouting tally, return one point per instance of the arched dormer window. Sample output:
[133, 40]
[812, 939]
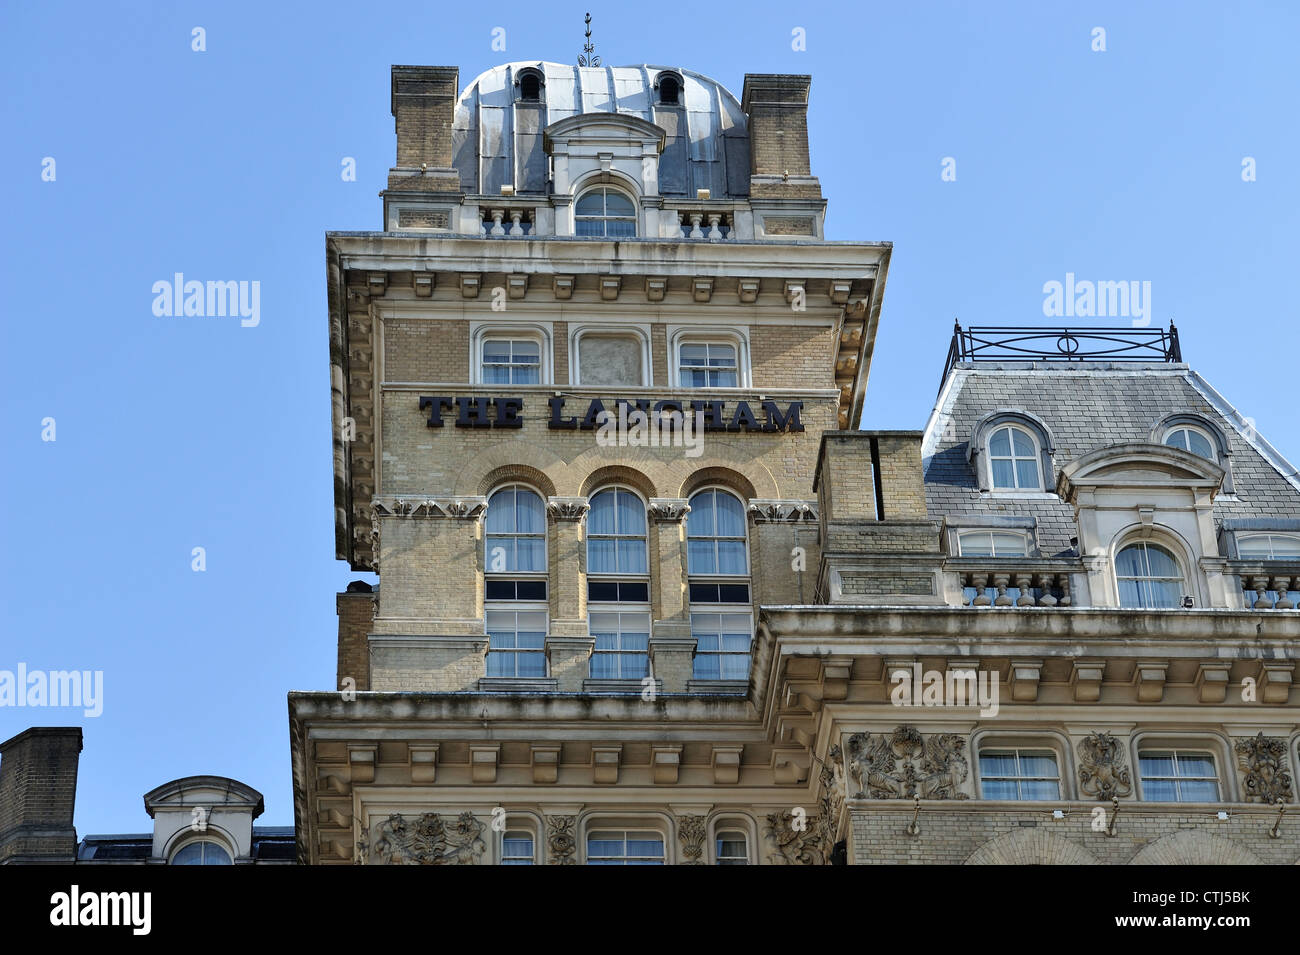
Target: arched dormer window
[1189, 438]
[1012, 453]
[669, 86]
[529, 83]
[1188, 431]
[201, 852]
[604, 211]
[1148, 575]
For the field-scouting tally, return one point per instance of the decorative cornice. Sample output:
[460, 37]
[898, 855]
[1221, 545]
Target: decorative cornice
[457, 508]
[567, 508]
[669, 510]
[764, 511]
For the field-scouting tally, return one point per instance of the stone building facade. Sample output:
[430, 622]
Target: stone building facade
[647, 597]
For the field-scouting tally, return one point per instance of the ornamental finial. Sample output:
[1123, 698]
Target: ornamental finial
[587, 58]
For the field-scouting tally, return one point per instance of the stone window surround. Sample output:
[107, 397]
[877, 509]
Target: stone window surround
[211, 833]
[1198, 422]
[520, 821]
[1190, 741]
[977, 450]
[660, 823]
[541, 332]
[611, 327]
[1160, 536]
[541, 85]
[737, 337]
[729, 821]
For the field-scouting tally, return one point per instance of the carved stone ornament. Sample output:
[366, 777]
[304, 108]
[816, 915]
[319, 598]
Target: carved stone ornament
[1263, 763]
[690, 832]
[797, 839]
[561, 846]
[1102, 773]
[567, 508]
[763, 511]
[831, 802]
[426, 840]
[905, 764]
[668, 510]
[457, 508]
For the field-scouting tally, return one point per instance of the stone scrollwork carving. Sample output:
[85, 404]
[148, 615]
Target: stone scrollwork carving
[668, 510]
[567, 508]
[561, 844]
[1263, 764]
[797, 839]
[763, 511]
[690, 832]
[905, 764]
[831, 801]
[459, 508]
[426, 840]
[1102, 773]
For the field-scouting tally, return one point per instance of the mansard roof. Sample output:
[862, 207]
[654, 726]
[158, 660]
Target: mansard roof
[1090, 406]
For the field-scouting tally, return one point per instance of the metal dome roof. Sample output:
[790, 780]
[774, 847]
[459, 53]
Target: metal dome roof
[497, 140]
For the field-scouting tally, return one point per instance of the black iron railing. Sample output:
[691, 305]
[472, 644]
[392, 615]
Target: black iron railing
[1078, 344]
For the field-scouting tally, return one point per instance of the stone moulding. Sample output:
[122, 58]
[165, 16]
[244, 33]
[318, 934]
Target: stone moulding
[907, 764]
[668, 510]
[567, 508]
[766, 511]
[1102, 773]
[456, 508]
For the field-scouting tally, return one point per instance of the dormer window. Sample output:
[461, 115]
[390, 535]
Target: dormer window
[202, 852]
[1013, 460]
[670, 89]
[1148, 576]
[605, 212]
[1268, 547]
[1191, 439]
[530, 86]
[992, 544]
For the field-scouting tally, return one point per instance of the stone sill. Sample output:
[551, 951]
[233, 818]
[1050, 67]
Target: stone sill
[718, 687]
[621, 687]
[506, 684]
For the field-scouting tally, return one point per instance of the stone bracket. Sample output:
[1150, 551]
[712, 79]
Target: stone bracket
[423, 761]
[483, 758]
[546, 763]
[1025, 675]
[604, 763]
[726, 764]
[1086, 677]
[665, 762]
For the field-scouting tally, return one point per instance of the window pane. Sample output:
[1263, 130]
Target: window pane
[1177, 439]
[1159, 790]
[631, 556]
[600, 519]
[700, 519]
[1195, 764]
[998, 764]
[1156, 765]
[590, 204]
[1027, 474]
[1023, 445]
[1199, 445]
[723, 379]
[530, 513]
[1038, 764]
[694, 354]
[1161, 562]
[589, 227]
[617, 204]
[530, 554]
[1198, 791]
[1008, 545]
[1129, 562]
[1000, 443]
[731, 557]
[496, 350]
[1286, 546]
[1040, 789]
[731, 516]
[975, 545]
[1164, 593]
[1000, 789]
[631, 514]
[700, 557]
[1002, 474]
[620, 228]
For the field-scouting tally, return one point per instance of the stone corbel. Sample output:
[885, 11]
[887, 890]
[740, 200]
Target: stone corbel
[793, 289]
[665, 763]
[790, 766]
[1149, 678]
[546, 763]
[610, 286]
[726, 764]
[702, 289]
[1086, 677]
[1025, 675]
[377, 283]
[567, 508]
[1275, 680]
[483, 758]
[423, 283]
[1212, 681]
[655, 287]
[361, 761]
[747, 290]
[562, 286]
[839, 292]
[423, 761]
[835, 677]
[517, 285]
[604, 763]
[469, 284]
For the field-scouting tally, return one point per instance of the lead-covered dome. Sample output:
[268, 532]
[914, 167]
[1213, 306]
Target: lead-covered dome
[497, 136]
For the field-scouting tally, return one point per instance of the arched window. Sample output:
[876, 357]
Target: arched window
[201, 852]
[1013, 460]
[618, 585]
[717, 564]
[732, 847]
[1148, 576]
[670, 90]
[605, 212]
[1191, 439]
[515, 589]
[530, 87]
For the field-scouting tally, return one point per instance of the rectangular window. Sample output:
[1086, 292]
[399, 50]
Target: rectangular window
[516, 643]
[709, 593]
[616, 847]
[707, 365]
[1019, 774]
[721, 645]
[622, 645]
[517, 848]
[992, 544]
[1178, 776]
[511, 362]
[1268, 547]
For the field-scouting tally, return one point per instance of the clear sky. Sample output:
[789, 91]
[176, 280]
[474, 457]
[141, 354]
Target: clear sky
[176, 433]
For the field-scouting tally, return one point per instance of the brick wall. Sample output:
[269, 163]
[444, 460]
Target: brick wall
[419, 350]
[778, 123]
[794, 356]
[423, 105]
[38, 790]
[356, 612]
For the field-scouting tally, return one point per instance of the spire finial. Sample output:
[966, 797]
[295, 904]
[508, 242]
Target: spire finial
[587, 58]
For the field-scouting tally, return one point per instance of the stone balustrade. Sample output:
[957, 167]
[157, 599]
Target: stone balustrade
[1016, 588]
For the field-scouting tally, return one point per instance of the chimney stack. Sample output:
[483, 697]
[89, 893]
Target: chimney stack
[38, 789]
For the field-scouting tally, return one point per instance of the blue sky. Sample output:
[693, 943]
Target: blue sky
[173, 434]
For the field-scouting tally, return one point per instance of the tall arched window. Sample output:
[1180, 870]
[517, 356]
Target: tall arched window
[717, 564]
[1148, 576]
[605, 212]
[515, 589]
[618, 585]
[1013, 460]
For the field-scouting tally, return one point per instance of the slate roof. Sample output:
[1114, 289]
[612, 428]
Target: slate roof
[1090, 405]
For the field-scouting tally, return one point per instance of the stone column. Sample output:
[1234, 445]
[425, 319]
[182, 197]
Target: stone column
[672, 647]
[568, 639]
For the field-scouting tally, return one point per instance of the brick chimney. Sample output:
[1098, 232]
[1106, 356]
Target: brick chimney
[424, 105]
[777, 107]
[38, 789]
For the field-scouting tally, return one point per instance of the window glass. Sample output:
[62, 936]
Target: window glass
[509, 362]
[992, 544]
[1189, 439]
[731, 848]
[625, 848]
[622, 645]
[616, 533]
[721, 645]
[707, 365]
[1013, 460]
[516, 643]
[1148, 577]
[1268, 546]
[202, 853]
[1019, 774]
[1178, 776]
[604, 212]
[516, 532]
[715, 534]
[517, 848]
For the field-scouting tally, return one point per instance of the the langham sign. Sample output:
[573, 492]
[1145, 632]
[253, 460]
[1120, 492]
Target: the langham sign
[708, 415]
